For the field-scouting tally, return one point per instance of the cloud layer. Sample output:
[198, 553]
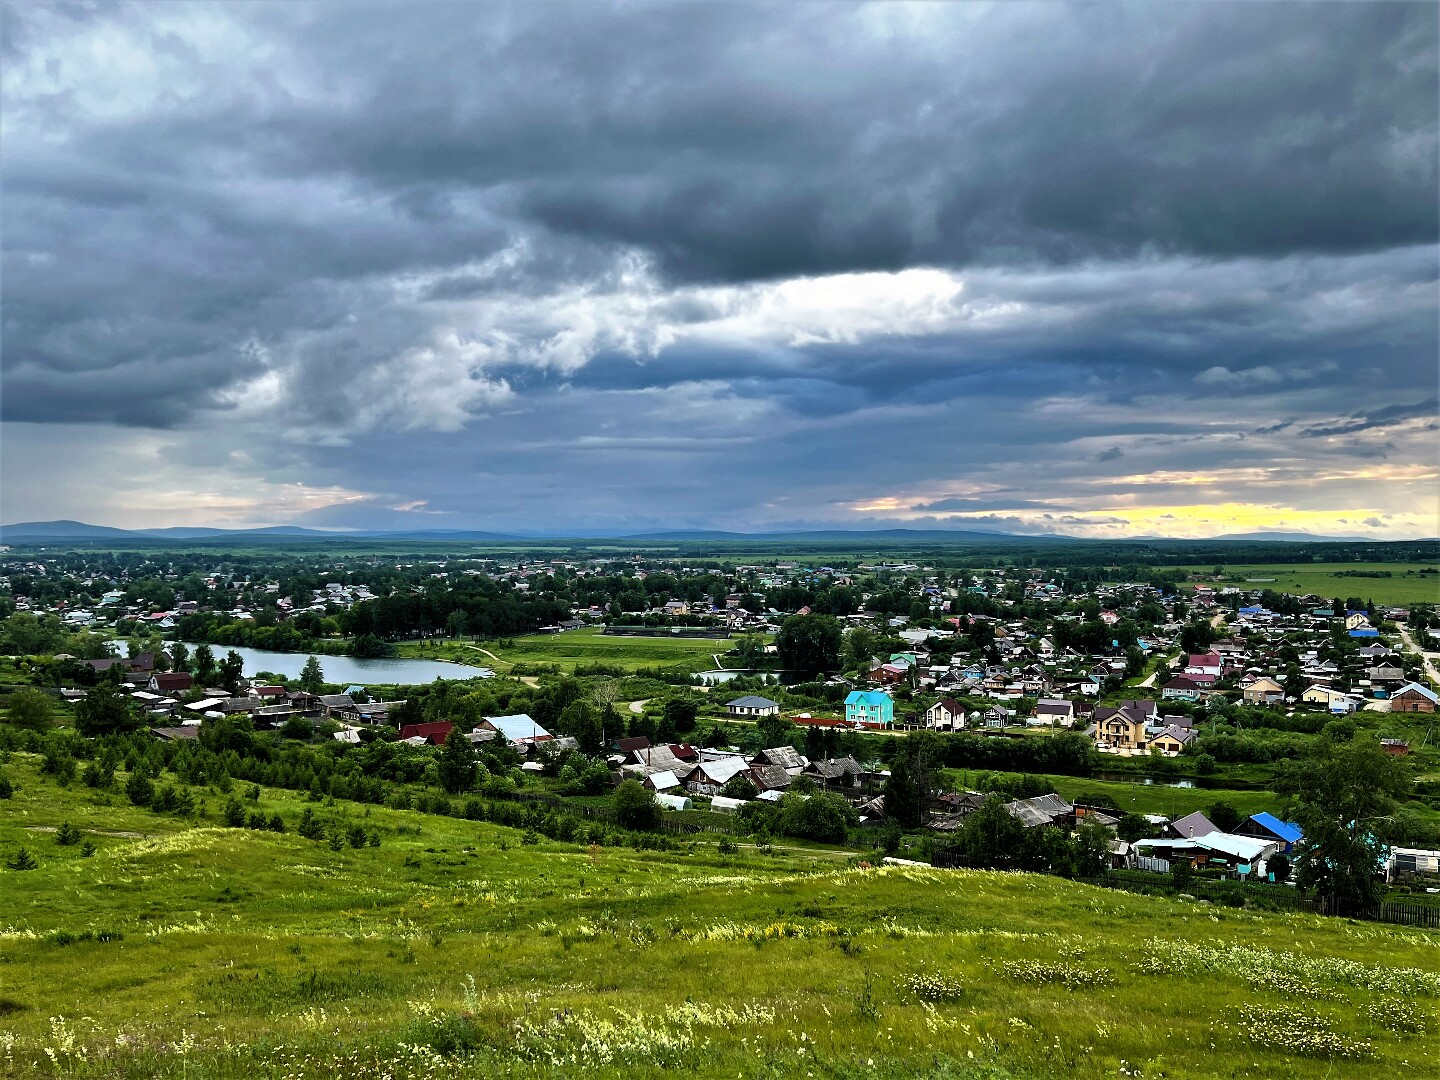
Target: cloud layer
[1127, 269]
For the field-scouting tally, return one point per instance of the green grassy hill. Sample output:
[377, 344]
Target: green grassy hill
[455, 948]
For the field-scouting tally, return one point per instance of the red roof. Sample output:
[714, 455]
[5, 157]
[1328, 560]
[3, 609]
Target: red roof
[435, 732]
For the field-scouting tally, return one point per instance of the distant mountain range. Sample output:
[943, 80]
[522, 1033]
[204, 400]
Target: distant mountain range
[41, 532]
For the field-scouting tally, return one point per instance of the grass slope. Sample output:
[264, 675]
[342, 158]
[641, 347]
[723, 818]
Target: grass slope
[454, 949]
[576, 648]
[1325, 579]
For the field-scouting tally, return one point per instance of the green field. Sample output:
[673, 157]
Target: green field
[185, 949]
[1405, 585]
[577, 647]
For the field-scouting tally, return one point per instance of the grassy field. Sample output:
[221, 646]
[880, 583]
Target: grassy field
[456, 949]
[577, 647]
[1405, 586]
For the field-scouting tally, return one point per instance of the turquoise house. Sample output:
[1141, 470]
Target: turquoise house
[869, 708]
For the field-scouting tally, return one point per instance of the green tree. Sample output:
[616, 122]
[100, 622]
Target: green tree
[312, 676]
[455, 764]
[22, 860]
[179, 656]
[206, 670]
[67, 834]
[903, 803]
[636, 808]
[139, 789]
[1224, 816]
[775, 731]
[232, 669]
[749, 651]
[809, 644]
[1343, 797]
[679, 713]
[105, 711]
[824, 818]
[30, 709]
[740, 786]
[370, 647]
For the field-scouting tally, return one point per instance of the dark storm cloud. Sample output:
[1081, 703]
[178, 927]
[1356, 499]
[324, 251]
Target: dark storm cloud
[556, 233]
[1377, 418]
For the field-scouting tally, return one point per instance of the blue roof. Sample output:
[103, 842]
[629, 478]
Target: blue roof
[1365, 631]
[1251, 610]
[867, 697]
[1286, 830]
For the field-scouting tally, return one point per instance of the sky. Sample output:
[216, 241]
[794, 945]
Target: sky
[1105, 270]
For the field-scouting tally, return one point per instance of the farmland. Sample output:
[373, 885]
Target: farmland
[457, 948]
[1404, 585]
[577, 648]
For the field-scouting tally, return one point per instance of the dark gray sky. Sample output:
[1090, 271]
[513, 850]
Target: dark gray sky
[1105, 270]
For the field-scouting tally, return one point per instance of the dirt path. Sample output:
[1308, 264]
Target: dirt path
[1426, 659]
[638, 706]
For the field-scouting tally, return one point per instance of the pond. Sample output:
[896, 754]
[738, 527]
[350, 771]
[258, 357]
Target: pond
[1163, 781]
[349, 669]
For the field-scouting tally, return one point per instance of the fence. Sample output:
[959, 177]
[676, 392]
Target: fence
[1395, 911]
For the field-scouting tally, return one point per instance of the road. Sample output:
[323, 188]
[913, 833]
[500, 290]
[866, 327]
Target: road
[1427, 660]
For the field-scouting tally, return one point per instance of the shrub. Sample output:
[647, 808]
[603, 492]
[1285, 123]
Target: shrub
[233, 814]
[635, 807]
[22, 860]
[87, 850]
[67, 834]
[926, 986]
[728, 846]
[356, 836]
[310, 827]
[139, 790]
[7, 789]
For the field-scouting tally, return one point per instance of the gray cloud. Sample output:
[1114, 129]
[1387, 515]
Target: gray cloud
[435, 252]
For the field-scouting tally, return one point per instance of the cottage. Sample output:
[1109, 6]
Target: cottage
[1123, 726]
[1056, 711]
[1182, 688]
[945, 715]
[1173, 739]
[1191, 825]
[1265, 826]
[835, 772]
[869, 708]
[434, 733]
[709, 777]
[170, 682]
[519, 730]
[1413, 698]
[1264, 691]
[752, 705]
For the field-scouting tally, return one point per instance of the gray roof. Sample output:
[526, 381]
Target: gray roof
[1196, 824]
[752, 701]
[518, 727]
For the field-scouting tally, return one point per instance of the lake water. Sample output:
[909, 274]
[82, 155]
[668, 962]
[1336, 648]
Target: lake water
[348, 669]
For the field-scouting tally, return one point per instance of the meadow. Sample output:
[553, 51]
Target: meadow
[180, 948]
[1406, 585]
[1138, 797]
[576, 648]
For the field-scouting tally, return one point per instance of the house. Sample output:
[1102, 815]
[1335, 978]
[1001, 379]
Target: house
[1395, 747]
[783, 757]
[1387, 674]
[708, 777]
[1203, 664]
[1123, 726]
[1264, 691]
[1356, 620]
[752, 705]
[337, 704]
[170, 682]
[945, 715]
[520, 729]
[1335, 700]
[1265, 826]
[1054, 711]
[1173, 740]
[1414, 698]
[1243, 855]
[1191, 825]
[1183, 688]
[1042, 810]
[434, 733]
[836, 772]
[869, 708]
[677, 607]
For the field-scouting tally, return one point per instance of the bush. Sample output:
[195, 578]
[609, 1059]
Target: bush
[22, 860]
[7, 789]
[635, 807]
[139, 790]
[67, 834]
[233, 814]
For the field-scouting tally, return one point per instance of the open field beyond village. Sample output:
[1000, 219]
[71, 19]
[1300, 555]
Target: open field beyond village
[456, 948]
[577, 648]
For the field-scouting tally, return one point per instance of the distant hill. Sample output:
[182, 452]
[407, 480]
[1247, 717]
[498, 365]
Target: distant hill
[41, 532]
